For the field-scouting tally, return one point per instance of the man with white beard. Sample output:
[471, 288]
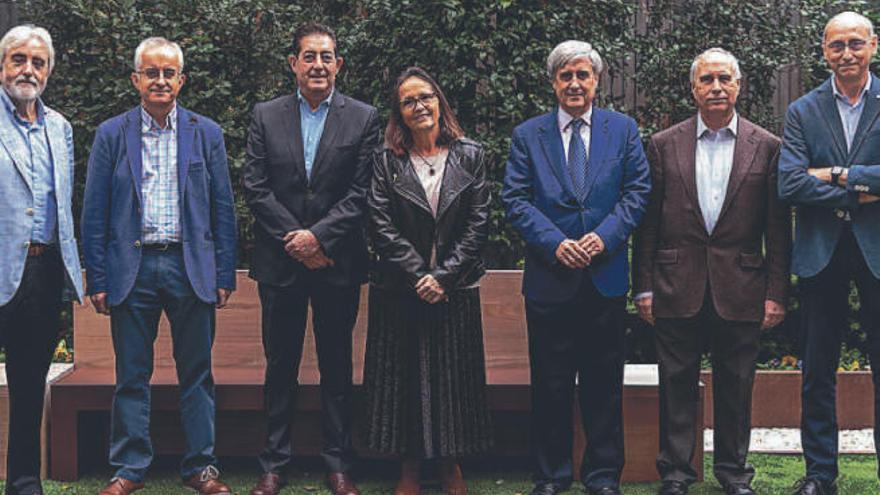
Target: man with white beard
[39, 264]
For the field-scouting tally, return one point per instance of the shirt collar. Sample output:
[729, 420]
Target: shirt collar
[10, 108]
[148, 123]
[842, 97]
[564, 118]
[731, 126]
[325, 103]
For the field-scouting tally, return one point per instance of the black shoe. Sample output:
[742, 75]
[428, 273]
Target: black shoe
[605, 490]
[813, 486]
[547, 489]
[733, 489]
[673, 487]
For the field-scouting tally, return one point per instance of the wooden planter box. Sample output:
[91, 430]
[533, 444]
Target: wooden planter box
[776, 400]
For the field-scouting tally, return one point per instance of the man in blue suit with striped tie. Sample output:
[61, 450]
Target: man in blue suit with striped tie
[576, 186]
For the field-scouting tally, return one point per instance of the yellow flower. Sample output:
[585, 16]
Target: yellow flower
[789, 361]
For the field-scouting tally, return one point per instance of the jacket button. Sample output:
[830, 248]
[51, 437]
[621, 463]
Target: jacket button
[137, 243]
[26, 244]
[29, 212]
[840, 213]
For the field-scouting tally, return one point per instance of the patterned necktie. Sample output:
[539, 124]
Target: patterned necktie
[577, 158]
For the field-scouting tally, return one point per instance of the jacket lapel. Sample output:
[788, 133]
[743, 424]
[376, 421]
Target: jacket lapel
[455, 180]
[293, 129]
[686, 146]
[407, 184]
[185, 131]
[7, 138]
[828, 109]
[598, 148]
[551, 143]
[133, 149]
[58, 152]
[743, 158]
[868, 118]
[328, 136]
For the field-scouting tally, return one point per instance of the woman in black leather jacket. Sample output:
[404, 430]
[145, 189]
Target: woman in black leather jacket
[424, 371]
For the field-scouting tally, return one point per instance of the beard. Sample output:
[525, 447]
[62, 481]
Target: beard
[24, 92]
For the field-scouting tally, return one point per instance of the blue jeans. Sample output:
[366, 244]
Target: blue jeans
[161, 285]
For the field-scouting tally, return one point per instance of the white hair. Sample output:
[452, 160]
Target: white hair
[570, 50]
[156, 42]
[22, 34]
[853, 17]
[737, 74]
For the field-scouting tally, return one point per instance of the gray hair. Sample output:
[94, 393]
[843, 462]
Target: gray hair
[156, 42]
[737, 74]
[570, 50]
[854, 17]
[22, 34]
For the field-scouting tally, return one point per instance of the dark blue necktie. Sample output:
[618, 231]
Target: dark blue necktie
[577, 158]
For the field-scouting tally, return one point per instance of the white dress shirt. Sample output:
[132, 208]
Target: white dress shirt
[714, 161]
[564, 119]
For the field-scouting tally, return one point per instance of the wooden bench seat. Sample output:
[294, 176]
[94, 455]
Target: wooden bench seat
[238, 366]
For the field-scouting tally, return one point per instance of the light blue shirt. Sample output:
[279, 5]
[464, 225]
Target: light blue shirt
[312, 125]
[714, 161]
[159, 182]
[564, 120]
[849, 113]
[32, 137]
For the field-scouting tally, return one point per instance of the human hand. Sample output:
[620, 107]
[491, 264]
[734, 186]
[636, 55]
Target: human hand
[645, 305]
[316, 261]
[429, 290]
[99, 301]
[865, 198]
[593, 244]
[223, 297]
[774, 313]
[571, 254]
[823, 174]
[301, 244]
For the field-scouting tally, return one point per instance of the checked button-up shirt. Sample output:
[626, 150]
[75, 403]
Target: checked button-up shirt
[161, 223]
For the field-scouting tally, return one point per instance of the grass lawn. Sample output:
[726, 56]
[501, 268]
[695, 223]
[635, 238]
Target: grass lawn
[776, 473]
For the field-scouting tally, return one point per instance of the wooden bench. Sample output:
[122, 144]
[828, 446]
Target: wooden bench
[238, 374]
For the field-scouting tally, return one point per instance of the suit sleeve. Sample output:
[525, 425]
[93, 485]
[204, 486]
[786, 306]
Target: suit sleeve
[347, 214]
[863, 178]
[466, 249]
[389, 244]
[96, 213]
[274, 217]
[645, 241]
[777, 239]
[517, 195]
[796, 185]
[627, 213]
[222, 214]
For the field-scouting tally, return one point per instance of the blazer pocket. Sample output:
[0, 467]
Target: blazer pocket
[751, 260]
[196, 166]
[666, 257]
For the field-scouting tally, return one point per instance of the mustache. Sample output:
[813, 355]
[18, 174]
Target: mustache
[27, 79]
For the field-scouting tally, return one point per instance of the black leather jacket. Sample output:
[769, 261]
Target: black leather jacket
[403, 229]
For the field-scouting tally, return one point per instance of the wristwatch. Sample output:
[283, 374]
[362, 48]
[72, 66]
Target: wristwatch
[835, 174]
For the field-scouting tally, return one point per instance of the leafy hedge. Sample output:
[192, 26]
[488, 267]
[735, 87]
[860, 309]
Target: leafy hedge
[488, 56]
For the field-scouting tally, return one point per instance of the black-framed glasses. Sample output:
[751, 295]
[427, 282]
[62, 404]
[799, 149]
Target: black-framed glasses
[854, 45]
[425, 99]
[153, 73]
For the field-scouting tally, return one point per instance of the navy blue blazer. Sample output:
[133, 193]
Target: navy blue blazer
[539, 197]
[813, 138]
[112, 220]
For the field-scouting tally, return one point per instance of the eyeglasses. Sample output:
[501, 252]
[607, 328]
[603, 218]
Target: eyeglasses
[854, 45]
[153, 73]
[426, 100]
[567, 76]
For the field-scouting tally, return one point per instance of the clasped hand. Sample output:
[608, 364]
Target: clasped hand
[430, 290]
[303, 246]
[579, 254]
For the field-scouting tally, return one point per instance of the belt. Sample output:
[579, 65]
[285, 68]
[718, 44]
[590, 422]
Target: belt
[170, 246]
[36, 249]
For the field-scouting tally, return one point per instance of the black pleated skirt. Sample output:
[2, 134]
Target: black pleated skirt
[425, 376]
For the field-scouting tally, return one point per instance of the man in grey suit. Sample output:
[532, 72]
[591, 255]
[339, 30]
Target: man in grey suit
[305, 179]
[39, 259]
